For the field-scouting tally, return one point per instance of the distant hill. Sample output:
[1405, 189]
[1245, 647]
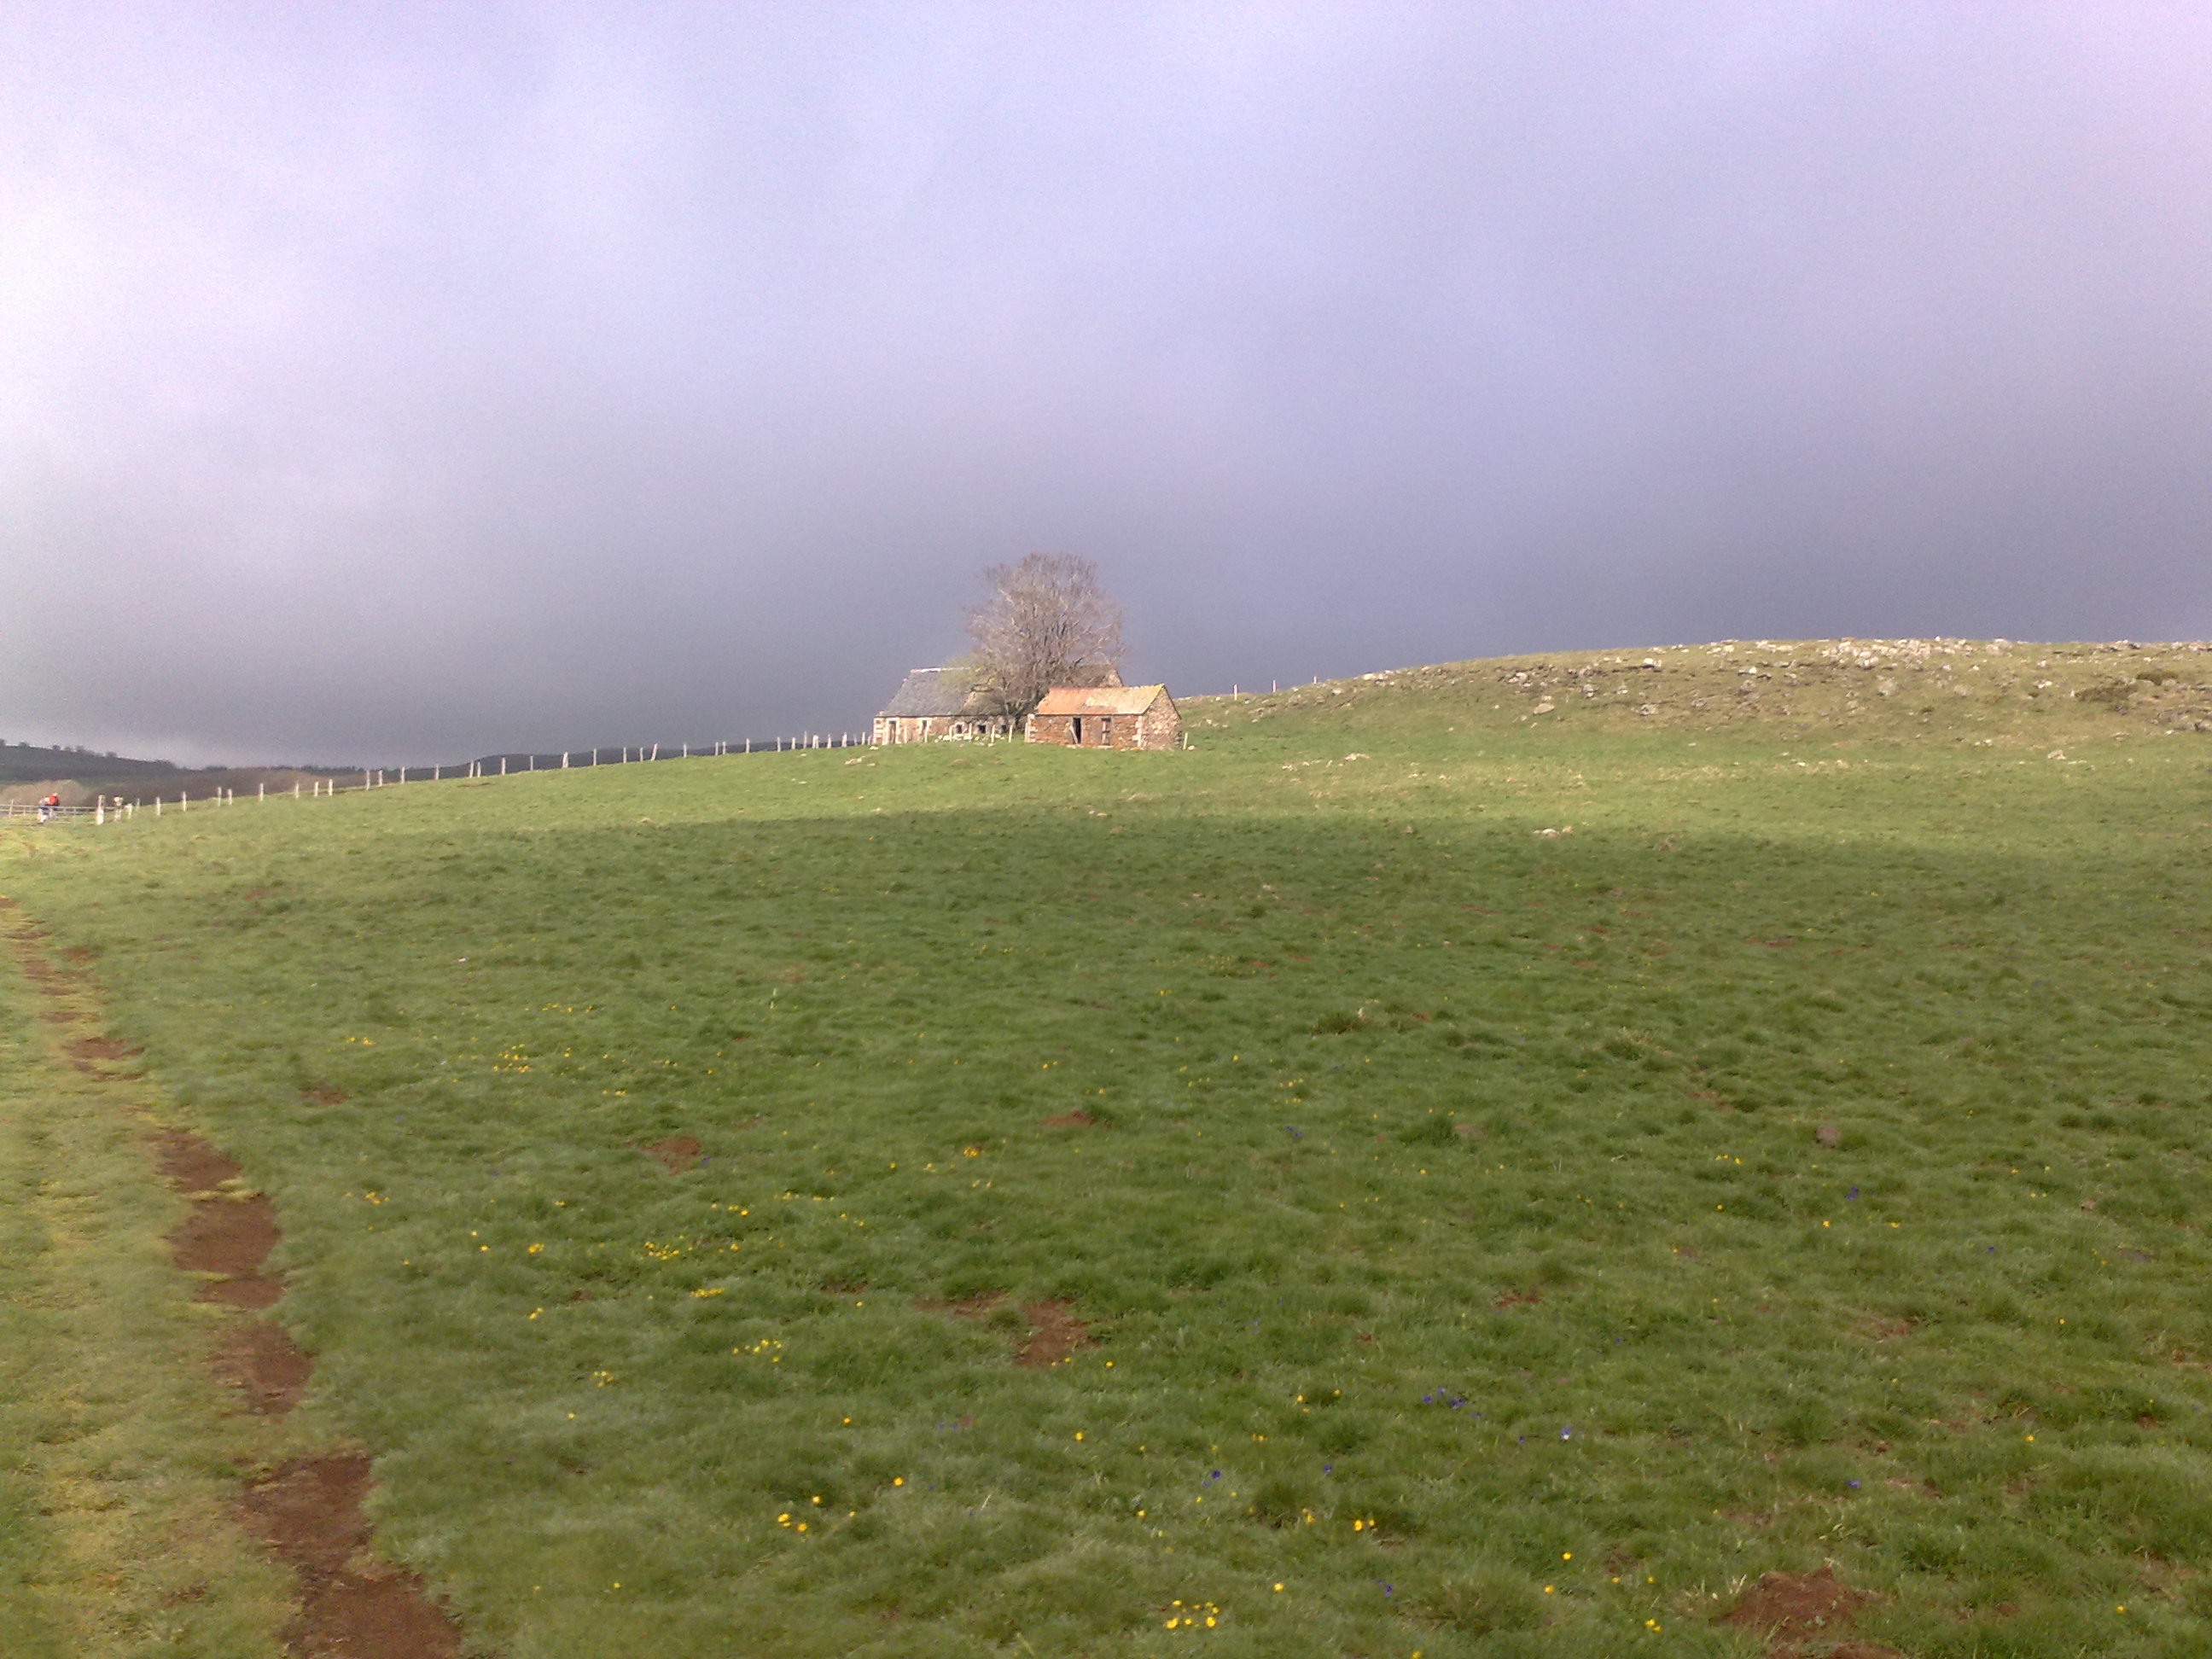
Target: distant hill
[23, 763]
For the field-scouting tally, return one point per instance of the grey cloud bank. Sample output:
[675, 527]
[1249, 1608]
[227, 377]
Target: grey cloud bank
[392, 384]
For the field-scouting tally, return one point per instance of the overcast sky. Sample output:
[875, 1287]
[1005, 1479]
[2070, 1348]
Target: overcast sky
[396, 382]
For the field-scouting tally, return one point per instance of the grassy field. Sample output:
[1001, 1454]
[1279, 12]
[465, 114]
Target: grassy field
[1452, 1165]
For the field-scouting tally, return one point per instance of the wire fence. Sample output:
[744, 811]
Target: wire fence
[115, 808]
[9, 809]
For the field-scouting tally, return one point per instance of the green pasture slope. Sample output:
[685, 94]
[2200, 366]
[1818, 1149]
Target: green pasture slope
[1491, 1241]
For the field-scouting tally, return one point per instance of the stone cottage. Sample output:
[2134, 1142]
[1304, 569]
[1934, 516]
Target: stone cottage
[939, 702]
[1107, 717]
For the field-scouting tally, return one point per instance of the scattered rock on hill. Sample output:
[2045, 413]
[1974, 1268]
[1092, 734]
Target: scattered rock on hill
[1987, 688]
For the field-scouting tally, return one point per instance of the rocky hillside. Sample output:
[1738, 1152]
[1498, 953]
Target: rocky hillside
[1992, 691]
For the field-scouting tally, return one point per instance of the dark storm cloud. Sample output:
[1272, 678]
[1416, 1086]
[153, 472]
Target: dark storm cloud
[396, 384]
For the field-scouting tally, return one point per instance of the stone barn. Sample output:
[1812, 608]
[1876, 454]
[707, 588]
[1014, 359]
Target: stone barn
[939, 702]
[1107, 717]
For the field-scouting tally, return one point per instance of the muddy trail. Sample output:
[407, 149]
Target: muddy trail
[309, 1511]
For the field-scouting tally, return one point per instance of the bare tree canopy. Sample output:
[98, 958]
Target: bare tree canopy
[1047, 622]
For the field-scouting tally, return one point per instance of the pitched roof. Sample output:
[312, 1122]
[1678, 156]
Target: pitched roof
[929, 693]
[1100, 699]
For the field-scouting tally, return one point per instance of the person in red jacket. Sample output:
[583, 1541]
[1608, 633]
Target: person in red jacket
[48, 807]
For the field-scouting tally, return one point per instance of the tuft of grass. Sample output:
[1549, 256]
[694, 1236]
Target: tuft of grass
[1484, 1601]
[1641, 1333]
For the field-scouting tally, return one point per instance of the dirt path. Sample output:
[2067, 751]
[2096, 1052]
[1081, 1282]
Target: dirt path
[309, 1512]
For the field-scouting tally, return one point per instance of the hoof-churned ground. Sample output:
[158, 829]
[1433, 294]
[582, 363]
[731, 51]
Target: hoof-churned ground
[119, 1459]
[1455, 1163]
[130, 1483]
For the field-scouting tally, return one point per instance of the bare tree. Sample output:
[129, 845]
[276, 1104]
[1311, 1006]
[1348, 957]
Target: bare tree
[1047, 622]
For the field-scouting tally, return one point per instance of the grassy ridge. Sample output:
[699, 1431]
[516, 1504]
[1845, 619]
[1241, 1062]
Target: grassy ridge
[1455, 1227]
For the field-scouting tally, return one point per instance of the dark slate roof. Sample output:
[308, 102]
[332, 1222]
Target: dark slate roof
[929, 692]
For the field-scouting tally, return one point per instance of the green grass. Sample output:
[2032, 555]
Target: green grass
[116, 1459]
[1456, 1232]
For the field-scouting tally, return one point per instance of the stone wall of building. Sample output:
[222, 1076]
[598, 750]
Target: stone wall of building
[1158, 727]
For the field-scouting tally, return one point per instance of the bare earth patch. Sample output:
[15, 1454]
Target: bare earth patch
[231, 1237]
[1077, 1119]
[1792, 1609]
[1053, 1333]
[676, 1154]
[352, 1606]
[264, 1366]
[95, 1054]
[192, 1164]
